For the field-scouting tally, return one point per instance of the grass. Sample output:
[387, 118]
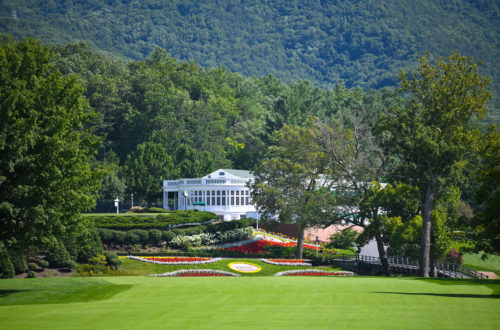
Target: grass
[134, 267]
[490, 264]
[251, 303]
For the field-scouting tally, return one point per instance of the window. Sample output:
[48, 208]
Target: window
[237, 200]
[221, 173]
[232, 200]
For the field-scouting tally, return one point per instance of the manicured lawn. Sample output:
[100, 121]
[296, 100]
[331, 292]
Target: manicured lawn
[491, 264]
[250, 303]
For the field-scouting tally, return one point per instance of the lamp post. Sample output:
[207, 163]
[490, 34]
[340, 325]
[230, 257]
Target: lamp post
[317, 244]
[131, 200]
[117, 201]
[185, 201]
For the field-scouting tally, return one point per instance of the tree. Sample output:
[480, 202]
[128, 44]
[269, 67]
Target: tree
[487, 220]
[192, 163]
[145, 169]
[45, 146]
[433, 133]
[357, 164]
[290, 183]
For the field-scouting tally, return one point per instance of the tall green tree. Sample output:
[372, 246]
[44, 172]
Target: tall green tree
[145, 169]
[487, 220]
[290, 184]
[45, 146]
[434, 132]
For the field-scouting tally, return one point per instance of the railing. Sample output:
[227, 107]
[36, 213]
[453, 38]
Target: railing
[407, 265]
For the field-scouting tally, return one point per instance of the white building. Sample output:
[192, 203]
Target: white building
[223, 192]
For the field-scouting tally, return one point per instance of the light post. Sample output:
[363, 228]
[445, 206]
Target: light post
[117, 201]
[185, 201]
[317, 244]
[132, 200]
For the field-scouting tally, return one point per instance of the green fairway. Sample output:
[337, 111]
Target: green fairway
[250, 303]
[491, 264]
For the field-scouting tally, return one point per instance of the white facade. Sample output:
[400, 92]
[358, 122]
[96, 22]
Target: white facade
[223, 192]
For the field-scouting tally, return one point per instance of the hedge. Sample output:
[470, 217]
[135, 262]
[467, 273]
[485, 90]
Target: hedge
[162, 221]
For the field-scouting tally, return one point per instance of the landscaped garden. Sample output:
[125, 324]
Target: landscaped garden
[249, 303]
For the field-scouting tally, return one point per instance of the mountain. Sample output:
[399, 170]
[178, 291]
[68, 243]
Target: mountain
[363, 43]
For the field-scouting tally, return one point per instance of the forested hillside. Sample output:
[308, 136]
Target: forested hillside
[363, 43]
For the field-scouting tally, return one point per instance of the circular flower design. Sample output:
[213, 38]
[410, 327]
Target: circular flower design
[244, 267]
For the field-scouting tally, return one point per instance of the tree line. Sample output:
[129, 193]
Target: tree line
[79, 126]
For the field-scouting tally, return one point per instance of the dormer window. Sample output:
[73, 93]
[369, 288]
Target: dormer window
[221, 173]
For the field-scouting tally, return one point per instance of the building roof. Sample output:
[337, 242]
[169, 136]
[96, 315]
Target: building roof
[239, 173]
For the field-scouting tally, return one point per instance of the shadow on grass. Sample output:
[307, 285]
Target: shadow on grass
[5, 293]
[60, 295]
[450, 295]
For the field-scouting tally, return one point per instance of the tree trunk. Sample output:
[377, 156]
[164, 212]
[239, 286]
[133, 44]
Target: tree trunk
[382, 254]
[300, 243]
[432, 258]
[425, 242]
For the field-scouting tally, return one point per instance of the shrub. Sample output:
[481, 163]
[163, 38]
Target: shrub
[454, 257]
[168, 236]
[6, 267]
[276, 251]
[89, 246]
[57, 255]
[18, 259]
[43, 263]
[343, 239]
[143, 236]
[156, 210]
[31, 274]
[69, 264]
[112, 260]
[154, 236]
[132, 238]
[107, 235]
[120, 237]
[32, 266]
[137, 209]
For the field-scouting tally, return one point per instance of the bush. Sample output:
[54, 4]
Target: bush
[32, 266]
[112, 260]
[154, 236]
[143, 236]
[18, 259]
[343, 239]
[69, 264]
[89, 245]
[120, 237]
[132, 238]
[156, 210]
[168, 236]
[6, 267]
[276, 251]
[31, 274]
[454, 257]
[43, 263]
[107, 235]
[162, 221]
[57, 255]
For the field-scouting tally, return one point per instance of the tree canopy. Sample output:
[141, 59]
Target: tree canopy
[45, 146]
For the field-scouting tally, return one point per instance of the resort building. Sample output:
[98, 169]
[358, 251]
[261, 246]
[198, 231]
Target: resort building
[223, 192]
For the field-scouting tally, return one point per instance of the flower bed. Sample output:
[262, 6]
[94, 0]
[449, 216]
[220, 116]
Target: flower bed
[175, 260]
[286, 262]
[313, 272]
[255, 246]
[195, 273]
